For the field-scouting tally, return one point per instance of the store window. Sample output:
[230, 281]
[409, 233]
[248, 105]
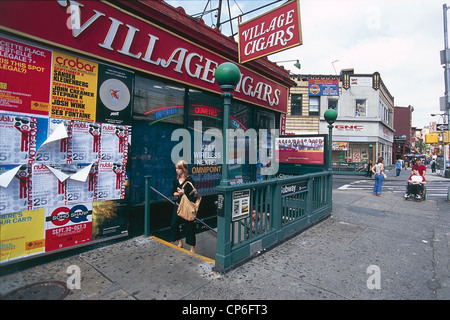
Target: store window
[264, 120]
[240, 171]
[314, 105]
[360, 108]
[158, 111]
[205, 112]
[296, 104]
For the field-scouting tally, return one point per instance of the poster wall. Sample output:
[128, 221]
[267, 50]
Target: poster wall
[65, 127]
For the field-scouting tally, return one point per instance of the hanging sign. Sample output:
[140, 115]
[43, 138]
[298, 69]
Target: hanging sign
[269, 33]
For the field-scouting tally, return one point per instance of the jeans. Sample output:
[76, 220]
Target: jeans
[398, 172]
[379, 178]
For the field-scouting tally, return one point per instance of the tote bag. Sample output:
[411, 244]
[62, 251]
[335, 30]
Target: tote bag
[187, 209]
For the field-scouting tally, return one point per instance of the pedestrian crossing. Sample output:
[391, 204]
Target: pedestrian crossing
[435, 190]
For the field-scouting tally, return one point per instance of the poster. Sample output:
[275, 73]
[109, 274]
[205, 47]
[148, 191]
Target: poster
[115, 95]
[56, 147]
[74, 88]
[18, 139]
[109, 218]
[241, 203]
[21, 234]
[111, 181]
[48, 190]
[66, 226]
[114, 143]
[15, 193]
[24, 78]
[85, 142]
[84, 190]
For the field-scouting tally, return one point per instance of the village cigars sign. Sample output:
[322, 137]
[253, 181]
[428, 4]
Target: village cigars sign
[101, 30]
[269, 33]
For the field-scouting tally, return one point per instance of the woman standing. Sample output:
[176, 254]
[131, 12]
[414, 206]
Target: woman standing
[179, 187]
[378, 170]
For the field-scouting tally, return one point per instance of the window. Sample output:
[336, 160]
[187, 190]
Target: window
[360, 109]
[296, 104]
[158, 111]
[333, 104]
[156, 101]
[314, 104]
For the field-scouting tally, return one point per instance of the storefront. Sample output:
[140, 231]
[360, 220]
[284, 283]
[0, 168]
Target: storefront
[90, 96]
[359, 142]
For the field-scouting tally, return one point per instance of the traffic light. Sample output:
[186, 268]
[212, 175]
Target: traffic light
[446, 137]
[432, 138]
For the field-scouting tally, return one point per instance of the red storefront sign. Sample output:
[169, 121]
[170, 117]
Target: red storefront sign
[106, 32]
[269, 33]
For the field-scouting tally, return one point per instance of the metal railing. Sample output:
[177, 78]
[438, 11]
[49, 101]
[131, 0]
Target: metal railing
[342, 167]
[270, 212]
[277, 209]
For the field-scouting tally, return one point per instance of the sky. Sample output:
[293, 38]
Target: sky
[400, 39]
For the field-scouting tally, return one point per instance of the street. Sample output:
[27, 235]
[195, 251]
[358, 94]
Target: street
[436, 186]
[369, 248]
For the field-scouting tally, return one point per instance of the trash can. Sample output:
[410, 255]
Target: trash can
[447, 173]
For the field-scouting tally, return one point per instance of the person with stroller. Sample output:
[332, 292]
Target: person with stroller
[415, 185]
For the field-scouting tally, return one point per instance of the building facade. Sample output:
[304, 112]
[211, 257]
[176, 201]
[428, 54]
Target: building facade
[92, 94]
[402, 127]
[364, 128]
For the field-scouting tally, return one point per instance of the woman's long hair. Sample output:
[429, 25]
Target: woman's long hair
[184, 167]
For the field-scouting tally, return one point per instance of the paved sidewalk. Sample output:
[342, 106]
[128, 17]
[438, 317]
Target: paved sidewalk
[370, 248]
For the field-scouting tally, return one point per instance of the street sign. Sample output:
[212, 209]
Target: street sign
[441, 127]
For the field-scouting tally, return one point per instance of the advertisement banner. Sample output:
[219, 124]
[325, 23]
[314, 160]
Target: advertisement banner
[323, 87]
[271, 32]
[301, 150]
[24, 78]
[339, 145]
[21, 234]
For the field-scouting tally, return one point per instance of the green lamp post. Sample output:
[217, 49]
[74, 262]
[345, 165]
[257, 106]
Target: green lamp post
[227, 77]
[330, 116]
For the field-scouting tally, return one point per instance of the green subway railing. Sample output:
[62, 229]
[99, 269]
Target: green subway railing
[254, 216]
[277, 209]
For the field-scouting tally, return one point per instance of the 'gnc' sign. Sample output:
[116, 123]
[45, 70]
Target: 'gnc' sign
[269, 33]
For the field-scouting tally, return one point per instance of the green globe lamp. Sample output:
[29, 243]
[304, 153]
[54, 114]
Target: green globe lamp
[330, 116]
[227, 77]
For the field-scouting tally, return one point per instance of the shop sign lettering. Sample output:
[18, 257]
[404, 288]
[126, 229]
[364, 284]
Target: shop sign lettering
[271, 32]
[349, 127]
[99, 29]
